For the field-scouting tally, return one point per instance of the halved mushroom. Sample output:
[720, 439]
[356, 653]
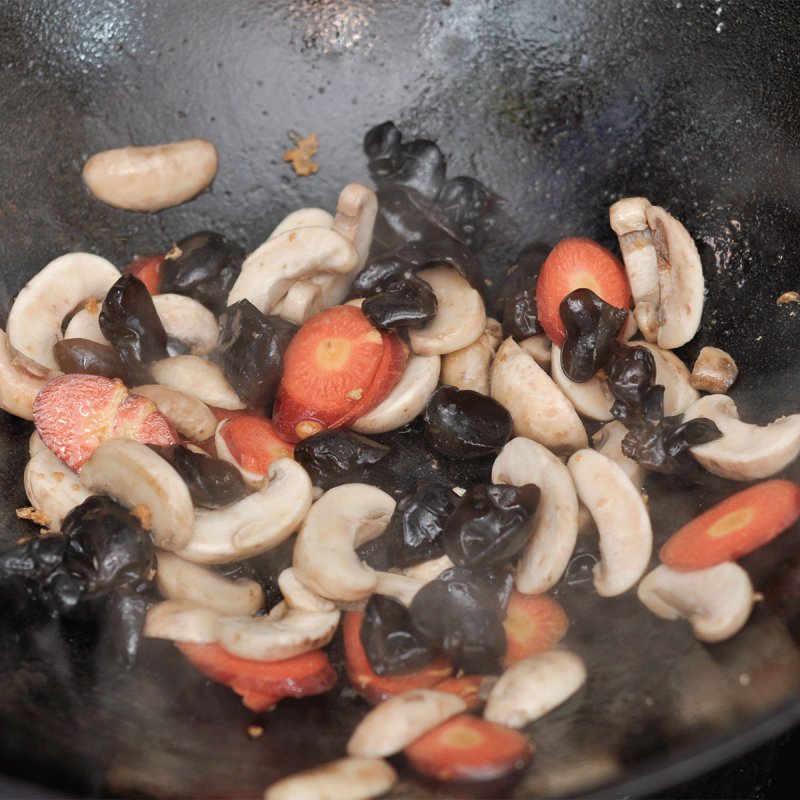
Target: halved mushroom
[343, 519]
[181, 621]
[251, 479]
[393, 724]
[714, 371]
[555, 528]
[34, 322]
[468, 368]
[135, 475]
[427, 571]
[406, 400]
[592, 398]
[187, 321]
[533, 687]
[178, 579]
[608, 441]
[303, 218]
[21, 378]
[540, 348]
[674, 376]
[195, 376]
[356, 210]
[191, 417]
[85, 324]
[302, 301]
[298, 596]
[538, 408]
[460, 317]
[52, 488]
[270, 638]
[745, 452]
[402, 587]
[716, 601]
[623, 524]
[353, 778]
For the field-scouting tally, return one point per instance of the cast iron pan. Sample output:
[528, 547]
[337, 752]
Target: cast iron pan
[561, 107]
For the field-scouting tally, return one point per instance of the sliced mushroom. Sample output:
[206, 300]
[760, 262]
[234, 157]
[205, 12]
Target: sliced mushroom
[608, 441]
[356, 210]
[408, 398]
[85, 324]
[274, 639]
[533, 687]
[468, 368]
[187, 321]
[538, 408]
[402, 587]
[195, 376]
[343, 519]
[181, 621]
[251, 479]
[36, 444]
[427, 571]
[393, 724]
[714, 371]
[674, 376]
[302, 301]
[298, 596]
[191, 417]
[351, 778]
[460, 317]
[135, 475]
[540, 348]
[592, 398]
[303, 218]
[254, 524]
[745, 452]
[178, 579]
[716, 601]
[555, 528]
[21, 378]
[618, 510]
[52, 488]
[34, 322]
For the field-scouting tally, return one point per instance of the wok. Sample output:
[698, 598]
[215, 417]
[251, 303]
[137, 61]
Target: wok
[561, 107]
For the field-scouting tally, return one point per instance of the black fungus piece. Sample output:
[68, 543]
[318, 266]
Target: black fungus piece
[382, 147]
[390, 641]
[414, 533]
[491, 524]
[203, 266]
[421, 166]
[333, 457]
[516, 299]
[631, 373]
[123, 622]
[129, 320]
[212, 482]
[250, 352]
[408, 303]
[461, 618]
[470, 205]
[498, 580]
[32, 560]
[591, 326]
[462, 423]
[88, 357]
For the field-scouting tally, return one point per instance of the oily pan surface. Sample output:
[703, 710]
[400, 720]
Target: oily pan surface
[561, 108]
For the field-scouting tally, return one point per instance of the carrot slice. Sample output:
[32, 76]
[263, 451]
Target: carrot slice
[534, 623]
[467, 687]
[734, 527]
[230, 413]
[261, 684]
[148, 270]
[578, 263]
[254, 444]
[467, 748]
[374, 687]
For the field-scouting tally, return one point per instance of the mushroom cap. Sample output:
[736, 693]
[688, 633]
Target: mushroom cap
[352, 778]
[187, 321]
[608, 441]
[468, 368]
[197, 377]
[591, 398]
[303, 218]
[674, 376]
[52, 487]
[181, 621]
[191, 417]
[21, 378]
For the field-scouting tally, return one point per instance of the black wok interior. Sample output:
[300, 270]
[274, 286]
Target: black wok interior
[561, 107]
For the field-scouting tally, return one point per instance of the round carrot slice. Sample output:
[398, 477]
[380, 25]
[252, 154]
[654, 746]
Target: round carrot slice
[148, 270]
[252, 441]
[534, 623]
[734, 527]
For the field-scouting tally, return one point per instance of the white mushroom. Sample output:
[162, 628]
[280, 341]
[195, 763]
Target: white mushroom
[181, 621]
[745, 452]
[298, 596]
[187, 321]
[538, 408]
[618, 510]
[608, 441]
[36, 444]
[406, 400]
[345, 779]
[251, 479]
[714, 371]
[135, 475]
[533, 687]
[274, 639]
[178, 579]
[151, 178]
[716, 601]
[356, 210]
[34, 322]
[402, 587]
[468, 368]
[540, 348]
[85, 324]
[592, 398]
[460, 317]
[302, 301]
[191, 417]
[303, 218]
[21, 378]
[426, 571]
[254, 524]
[674, 376]
[195, 376]
[393, 724]
[52, 488]
[555, 529]
[343, 519]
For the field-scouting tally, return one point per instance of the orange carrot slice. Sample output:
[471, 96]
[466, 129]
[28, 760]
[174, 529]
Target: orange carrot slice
[148, 270]
[467, 748]
[467, 687]
[252, 441]
[261, 684]
[734, 527]
[534, 623]
[578, 264]
[374, 687]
